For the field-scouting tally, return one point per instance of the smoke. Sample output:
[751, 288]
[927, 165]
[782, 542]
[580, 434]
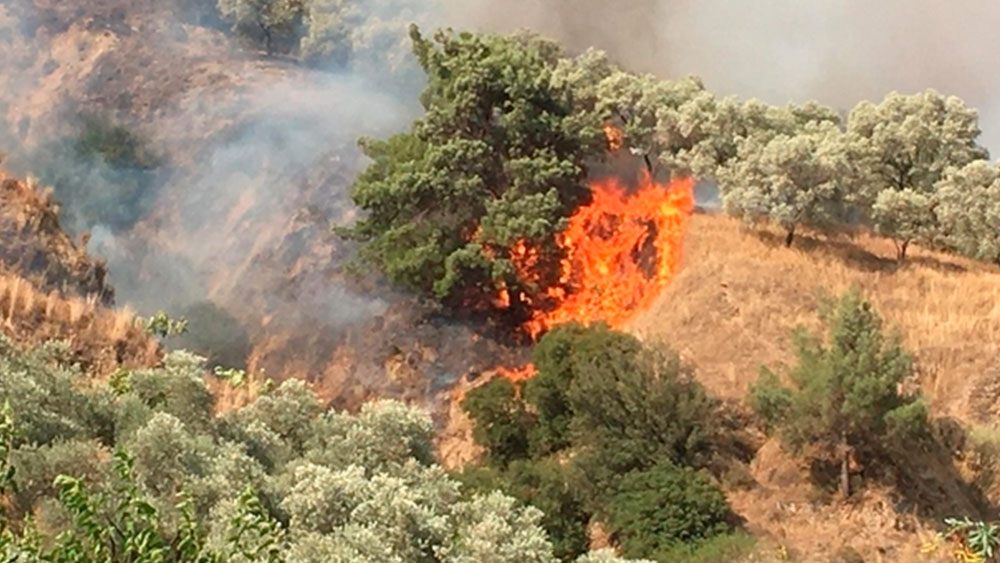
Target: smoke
[837, 51]
[256, 156]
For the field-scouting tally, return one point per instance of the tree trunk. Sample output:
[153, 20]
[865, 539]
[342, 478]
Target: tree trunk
[845, 466]
[790, 236]
[268, 42]
[901, 250]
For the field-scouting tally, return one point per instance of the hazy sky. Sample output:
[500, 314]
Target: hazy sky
[834, 51]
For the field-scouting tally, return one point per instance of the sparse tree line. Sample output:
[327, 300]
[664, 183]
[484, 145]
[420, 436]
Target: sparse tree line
[909, 166]
[327, 33]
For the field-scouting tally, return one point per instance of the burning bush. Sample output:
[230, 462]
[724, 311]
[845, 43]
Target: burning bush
[485, 204]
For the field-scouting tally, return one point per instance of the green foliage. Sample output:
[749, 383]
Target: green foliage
[498, 158]
[161, 325]
[981, 538]
[47, 404]
[731, 546]
[769, 398]
[653, 510]
[634, 407]
[790, 179]
[544, 484]
[275, 25]
[969, 210]
[129, 533]
[116, 144]
[902, 147]
[547, 392]
[346, 487]
[7, 469]
[254, 535]
[613, 427]
[845, 395]
[38, 466]
[501, 421]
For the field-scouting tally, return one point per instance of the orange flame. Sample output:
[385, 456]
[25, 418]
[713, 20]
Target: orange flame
[615, 137]
[523, 373]
[621, 250]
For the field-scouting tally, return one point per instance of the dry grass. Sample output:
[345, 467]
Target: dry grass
[732, 309]
[102, 338]
[740, 293]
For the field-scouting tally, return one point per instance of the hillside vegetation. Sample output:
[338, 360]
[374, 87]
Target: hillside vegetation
[719, 433]
[733, 306]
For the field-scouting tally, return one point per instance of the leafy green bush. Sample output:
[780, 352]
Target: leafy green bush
[633, 408]
[502, 422]
[654, 510]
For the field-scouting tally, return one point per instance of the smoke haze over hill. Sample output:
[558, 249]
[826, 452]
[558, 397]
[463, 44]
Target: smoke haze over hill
[837, 52]
[258, 154]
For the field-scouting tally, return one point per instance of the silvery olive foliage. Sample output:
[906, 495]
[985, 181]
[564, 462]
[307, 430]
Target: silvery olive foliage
[280, 479]
[902, 147]
[969, 209]
[788, 179]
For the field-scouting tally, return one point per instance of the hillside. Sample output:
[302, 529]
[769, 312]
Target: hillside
[51, 289]
[33, 243]
[740, 293]
[731, 310]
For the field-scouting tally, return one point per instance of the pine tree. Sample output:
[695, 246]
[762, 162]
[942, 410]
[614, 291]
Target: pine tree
[845, 394]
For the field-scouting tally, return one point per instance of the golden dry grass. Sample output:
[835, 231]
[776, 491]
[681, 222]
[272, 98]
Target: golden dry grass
[740, 293]
[102, 338]
[732, 308]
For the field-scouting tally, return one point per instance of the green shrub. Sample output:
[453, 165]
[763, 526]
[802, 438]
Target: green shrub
[635, 408]
[845, 396]
[501, 420]
[37, 466]
[655, 510]
[769, 398]
[723, 548]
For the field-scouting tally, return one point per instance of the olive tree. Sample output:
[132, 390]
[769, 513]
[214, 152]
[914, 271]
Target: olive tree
[902, 147]
[272, 23]
[969, 210]
[791, 180]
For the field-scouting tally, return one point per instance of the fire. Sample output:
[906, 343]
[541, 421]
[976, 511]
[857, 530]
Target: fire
[523, 373]
[615, 137]
[621, 250]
